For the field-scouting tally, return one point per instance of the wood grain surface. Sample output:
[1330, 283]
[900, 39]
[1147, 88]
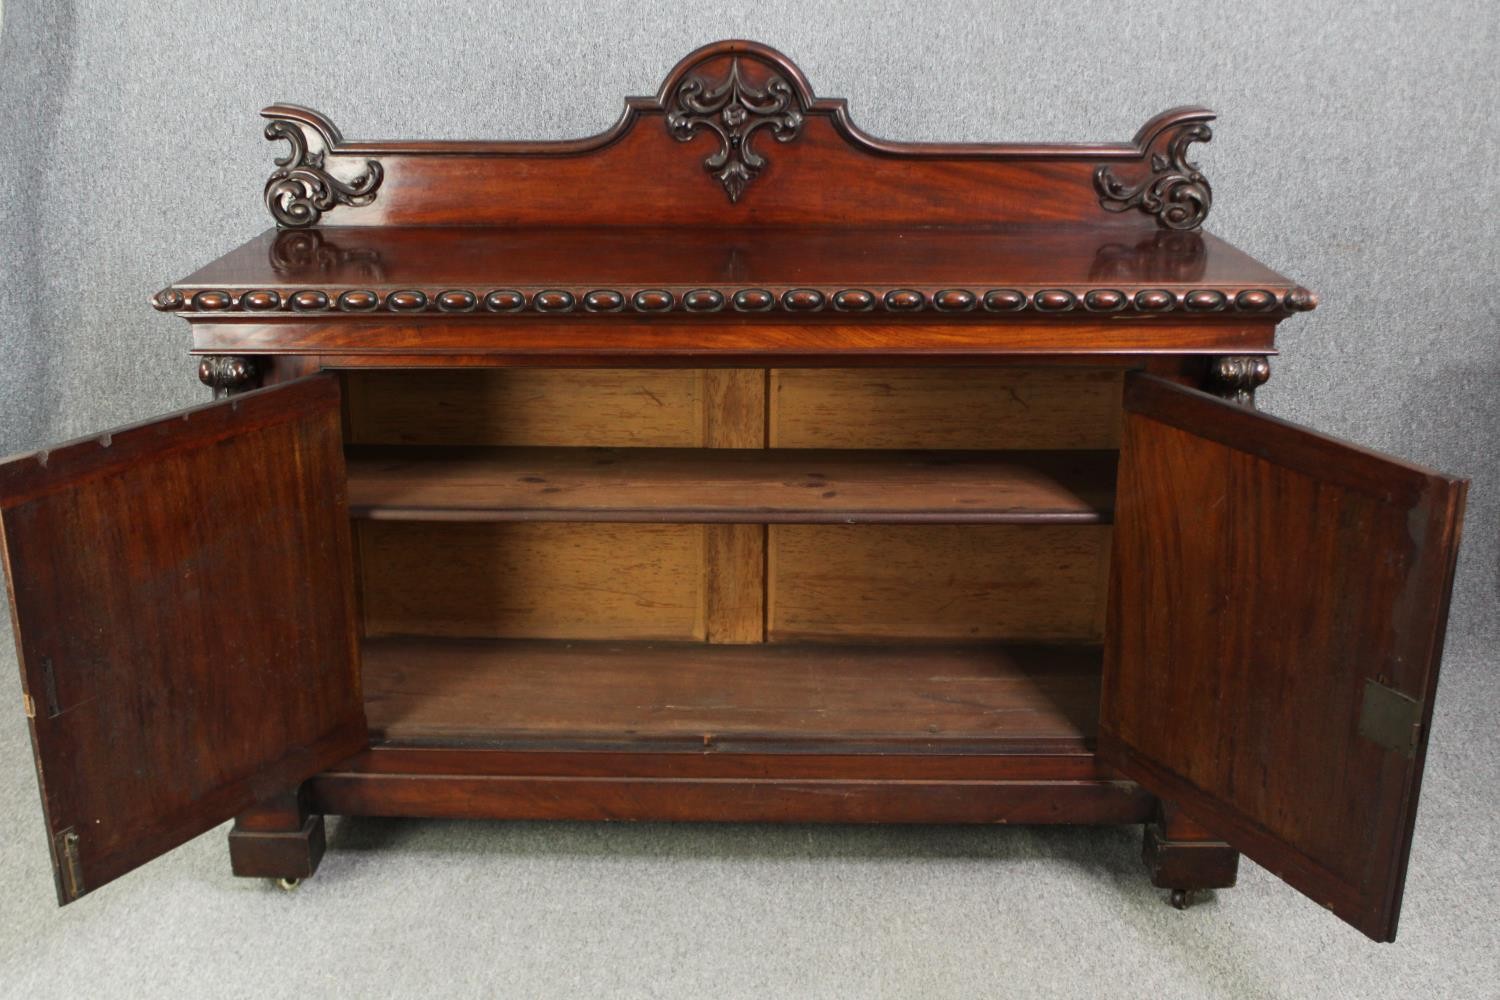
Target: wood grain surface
[1021, 583]
[612, 694]
[730, 485]
[186, 627]
[1264, 577]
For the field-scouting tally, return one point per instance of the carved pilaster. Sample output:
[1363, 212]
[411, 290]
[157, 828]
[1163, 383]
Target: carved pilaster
[228, 373]
[1235, 377]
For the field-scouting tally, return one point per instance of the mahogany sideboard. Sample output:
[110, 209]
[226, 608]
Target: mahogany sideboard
[733, 464]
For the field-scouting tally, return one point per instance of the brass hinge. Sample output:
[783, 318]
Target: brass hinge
[1390, 718]
[69, 864]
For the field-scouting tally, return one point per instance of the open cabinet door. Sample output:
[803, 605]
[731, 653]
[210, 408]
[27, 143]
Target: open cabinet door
[1276, 612]
[182, 595]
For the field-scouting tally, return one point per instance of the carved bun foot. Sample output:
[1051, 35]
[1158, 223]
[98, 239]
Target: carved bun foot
[1180, 898]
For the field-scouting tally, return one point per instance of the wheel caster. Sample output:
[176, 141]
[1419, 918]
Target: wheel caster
[288, 884]
[1180, 898]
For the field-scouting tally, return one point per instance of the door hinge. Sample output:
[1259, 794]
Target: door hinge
[69, 864]
[1390, 718]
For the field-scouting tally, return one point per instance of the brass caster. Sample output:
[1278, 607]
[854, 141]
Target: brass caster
[1180, 898]
[288, 884]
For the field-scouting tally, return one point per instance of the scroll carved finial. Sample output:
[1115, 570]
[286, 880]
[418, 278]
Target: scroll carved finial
[1236, 377]
[301, 189]
[734, 110]
[1175, 191]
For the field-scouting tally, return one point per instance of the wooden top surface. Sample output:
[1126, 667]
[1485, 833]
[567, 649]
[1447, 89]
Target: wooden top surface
[1017, 271]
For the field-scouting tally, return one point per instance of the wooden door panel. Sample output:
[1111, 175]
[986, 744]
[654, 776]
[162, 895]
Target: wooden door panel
[182, 599]
[1277, 605]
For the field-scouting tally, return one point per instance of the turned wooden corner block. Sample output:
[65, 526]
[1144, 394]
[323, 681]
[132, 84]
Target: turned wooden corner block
[278, 839]
[1182, 856]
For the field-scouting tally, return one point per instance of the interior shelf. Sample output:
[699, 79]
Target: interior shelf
[731, 485]
[812, 698]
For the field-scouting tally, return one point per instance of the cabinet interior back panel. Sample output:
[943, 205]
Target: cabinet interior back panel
[535, 580]
[1043, 583]
[710, 582]
[998, 408]
[657, 408]
[608, 581]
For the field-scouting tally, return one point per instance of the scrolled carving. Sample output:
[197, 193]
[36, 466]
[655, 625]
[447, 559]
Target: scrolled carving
[1235, 377]
[1176, 192]
[300, 189]
[227, 373]
[734, 110]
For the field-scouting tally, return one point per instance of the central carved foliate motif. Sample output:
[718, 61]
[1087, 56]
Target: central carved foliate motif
[734, 111]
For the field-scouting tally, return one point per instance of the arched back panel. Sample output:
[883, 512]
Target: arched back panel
[735, 136]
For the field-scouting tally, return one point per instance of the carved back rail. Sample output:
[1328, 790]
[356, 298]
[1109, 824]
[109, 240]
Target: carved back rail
[734, 136]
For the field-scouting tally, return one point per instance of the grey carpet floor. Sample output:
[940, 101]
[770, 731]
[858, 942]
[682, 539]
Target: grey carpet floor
[420, 909]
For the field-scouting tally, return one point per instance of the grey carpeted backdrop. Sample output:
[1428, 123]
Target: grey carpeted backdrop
[1356, 151]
